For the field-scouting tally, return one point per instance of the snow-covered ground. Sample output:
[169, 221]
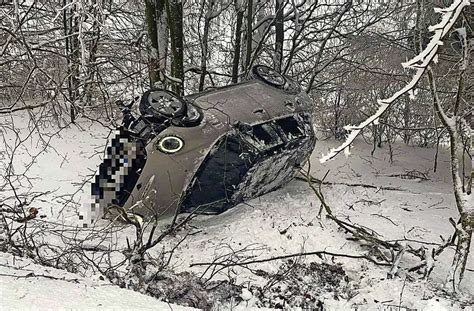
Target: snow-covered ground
[282, 222]
[27, 286]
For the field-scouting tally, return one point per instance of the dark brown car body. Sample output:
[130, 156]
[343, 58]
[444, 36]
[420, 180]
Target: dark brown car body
[251, 140]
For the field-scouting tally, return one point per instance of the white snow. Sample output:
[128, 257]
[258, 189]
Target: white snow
[282, 222]
[27, 286]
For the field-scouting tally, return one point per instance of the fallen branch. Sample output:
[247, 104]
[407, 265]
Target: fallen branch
[317, 253]
[315, 180]
[369, 236]
[33, 275]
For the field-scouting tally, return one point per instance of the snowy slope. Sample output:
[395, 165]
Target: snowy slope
[283, 222]
[27, 286]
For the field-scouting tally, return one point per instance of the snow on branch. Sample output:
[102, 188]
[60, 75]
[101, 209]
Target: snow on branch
[420, 63]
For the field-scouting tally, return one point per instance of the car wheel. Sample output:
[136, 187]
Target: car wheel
[192, 118]
[268, 75]
[162, 104]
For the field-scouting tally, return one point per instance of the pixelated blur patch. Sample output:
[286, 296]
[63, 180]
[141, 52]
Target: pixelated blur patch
[115, 175]
[119, 158]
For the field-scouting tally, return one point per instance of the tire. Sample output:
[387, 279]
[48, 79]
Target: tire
[160, 105]
[268, 75]
[192, 118]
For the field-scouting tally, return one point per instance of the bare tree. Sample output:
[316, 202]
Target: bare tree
[240, 9]
[157, 33]
[454, 126]
[174, 12]
[279, 34]
[249, 35]
[457, 128]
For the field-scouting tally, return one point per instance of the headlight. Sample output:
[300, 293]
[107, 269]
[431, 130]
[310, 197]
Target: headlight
[170, 144]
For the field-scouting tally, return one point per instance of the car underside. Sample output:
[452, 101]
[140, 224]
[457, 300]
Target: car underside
[205, 152]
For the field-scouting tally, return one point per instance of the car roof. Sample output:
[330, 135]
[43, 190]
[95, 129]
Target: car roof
[251, 102]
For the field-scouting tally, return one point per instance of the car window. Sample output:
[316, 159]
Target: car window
[290, 127]
[267, 134]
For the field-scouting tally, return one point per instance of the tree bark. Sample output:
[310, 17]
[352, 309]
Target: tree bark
[71, 29]
[466, 210]
[238, 35]
[68, 60]
[279, 34]
[153, 63]
[248, 54]
[204, 43]
[157, 35]
[92, 69]
[174, 10]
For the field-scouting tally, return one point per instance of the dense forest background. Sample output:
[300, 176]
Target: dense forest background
[70, 58]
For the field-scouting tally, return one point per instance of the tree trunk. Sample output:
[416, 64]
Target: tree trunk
[279, 35]
[153, 58]
[158, 39]
[463, 204]
[204, 43]
[75, 55]
[406, 122]
[97, 10]
[238, 35]
[337, 132]
[70, 24]
[248, 54]
[174, 10]
[68, 60]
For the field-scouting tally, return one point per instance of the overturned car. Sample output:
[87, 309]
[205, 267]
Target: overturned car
[205, 152]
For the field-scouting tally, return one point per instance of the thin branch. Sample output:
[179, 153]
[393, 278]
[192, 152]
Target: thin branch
[420, 63]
